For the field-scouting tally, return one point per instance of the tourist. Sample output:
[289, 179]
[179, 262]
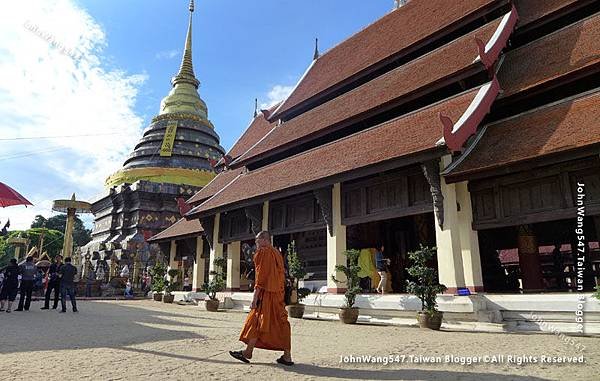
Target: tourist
[128, 290]
[381, 263]
[186, 283]
[267, 326]
[67, 274]
[53, 283]
[10, 285]
[28, 272]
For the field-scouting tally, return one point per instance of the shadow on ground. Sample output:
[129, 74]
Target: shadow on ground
[97, 325]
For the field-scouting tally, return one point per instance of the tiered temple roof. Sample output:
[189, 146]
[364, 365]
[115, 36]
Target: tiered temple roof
[428, 79]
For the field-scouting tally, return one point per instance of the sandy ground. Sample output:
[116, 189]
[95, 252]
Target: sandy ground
[145, 340]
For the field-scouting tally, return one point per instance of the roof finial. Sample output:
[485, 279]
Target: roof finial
[316, 54]
[186, 70]
[255, 107]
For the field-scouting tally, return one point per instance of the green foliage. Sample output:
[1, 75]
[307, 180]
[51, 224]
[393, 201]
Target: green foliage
[5, 253]
[297, 271]
[171, 285]
[217, 283]
[295, 265]
[157, 272]
[81, 235]
[425, 284]
[302, 293]
[597, 293]
[351, 271]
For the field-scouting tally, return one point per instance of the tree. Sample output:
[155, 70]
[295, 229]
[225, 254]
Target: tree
[81, 235]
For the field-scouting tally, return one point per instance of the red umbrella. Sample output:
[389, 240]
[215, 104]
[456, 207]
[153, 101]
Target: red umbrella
[9, 197]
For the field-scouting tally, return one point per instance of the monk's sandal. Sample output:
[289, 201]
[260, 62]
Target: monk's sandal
[238, 355]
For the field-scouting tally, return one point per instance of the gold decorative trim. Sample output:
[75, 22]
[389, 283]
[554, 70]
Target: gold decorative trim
[179, 176]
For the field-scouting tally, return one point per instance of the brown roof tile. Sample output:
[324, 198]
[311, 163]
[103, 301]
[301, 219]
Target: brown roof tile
[532, 10]
[181, 228]
[565, 51]
[410, 134]
[425, 71]
[215, 185]
[551, 129]
[256, 131]
[395, 32]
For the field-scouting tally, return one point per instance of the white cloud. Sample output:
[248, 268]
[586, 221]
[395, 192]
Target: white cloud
[53, 83]
[277, 94]
[167, 54]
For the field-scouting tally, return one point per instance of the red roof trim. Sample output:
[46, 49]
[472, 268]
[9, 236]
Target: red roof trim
[490, 52]
[456, 134]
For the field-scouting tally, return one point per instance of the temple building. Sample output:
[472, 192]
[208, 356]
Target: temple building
[472, 126]
[171, 162]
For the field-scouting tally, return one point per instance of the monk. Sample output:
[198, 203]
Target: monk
[267, 326]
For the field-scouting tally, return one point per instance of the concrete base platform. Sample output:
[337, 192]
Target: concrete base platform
[549, 313]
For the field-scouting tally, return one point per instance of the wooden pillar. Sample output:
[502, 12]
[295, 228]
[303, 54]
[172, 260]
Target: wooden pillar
[216, 251]
[469, 240]
[529, 259]
[198, 271]
[449, 255]
[336, 243]
[233, 266]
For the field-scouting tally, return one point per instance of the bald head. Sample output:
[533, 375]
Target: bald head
[263, 239]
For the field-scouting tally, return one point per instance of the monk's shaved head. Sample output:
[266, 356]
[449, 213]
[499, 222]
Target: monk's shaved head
[264, 235]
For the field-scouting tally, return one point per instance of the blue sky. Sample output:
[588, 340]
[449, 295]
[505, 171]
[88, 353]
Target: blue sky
[101, 67]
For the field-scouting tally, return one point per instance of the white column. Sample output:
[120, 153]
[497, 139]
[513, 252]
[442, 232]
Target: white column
[216, 251]
[233, 266]
[172, 262]
[336, 244]
[198, 272]
[469, 240]
[449, 256]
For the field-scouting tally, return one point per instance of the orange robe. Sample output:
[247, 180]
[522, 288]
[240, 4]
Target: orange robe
[268, 323]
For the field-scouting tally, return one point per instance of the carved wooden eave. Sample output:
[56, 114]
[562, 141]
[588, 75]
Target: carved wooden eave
[208, 223]
[457, 134]
[431, 171]
[323, 196]
[254, 215]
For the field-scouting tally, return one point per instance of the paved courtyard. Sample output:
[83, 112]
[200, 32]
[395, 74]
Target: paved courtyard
[145, 340]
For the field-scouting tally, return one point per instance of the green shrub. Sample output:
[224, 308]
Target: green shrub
[351, 270]
[425, 284]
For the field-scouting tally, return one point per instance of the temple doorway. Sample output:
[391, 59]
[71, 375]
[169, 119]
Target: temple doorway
[539, 257]
[399, 236]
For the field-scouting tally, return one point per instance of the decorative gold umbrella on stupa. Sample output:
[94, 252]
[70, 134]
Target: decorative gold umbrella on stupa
[71, 207]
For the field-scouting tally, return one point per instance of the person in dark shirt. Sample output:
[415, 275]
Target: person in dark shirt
[10, 285]
[53, 283]
[28, 273]
[67, 274]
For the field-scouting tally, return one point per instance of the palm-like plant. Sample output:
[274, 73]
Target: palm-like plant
[350, 270]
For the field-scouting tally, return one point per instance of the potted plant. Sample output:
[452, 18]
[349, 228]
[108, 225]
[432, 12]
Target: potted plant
[158, 281]
[216, 284]
[170, 286]
[426, 287]
[297, 272]
[348, 313]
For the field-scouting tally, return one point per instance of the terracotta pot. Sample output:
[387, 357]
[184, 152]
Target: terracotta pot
[431, 321]
[349, 315]
[212, 305]
[296, 310]
[157, 296]
[168, 298]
